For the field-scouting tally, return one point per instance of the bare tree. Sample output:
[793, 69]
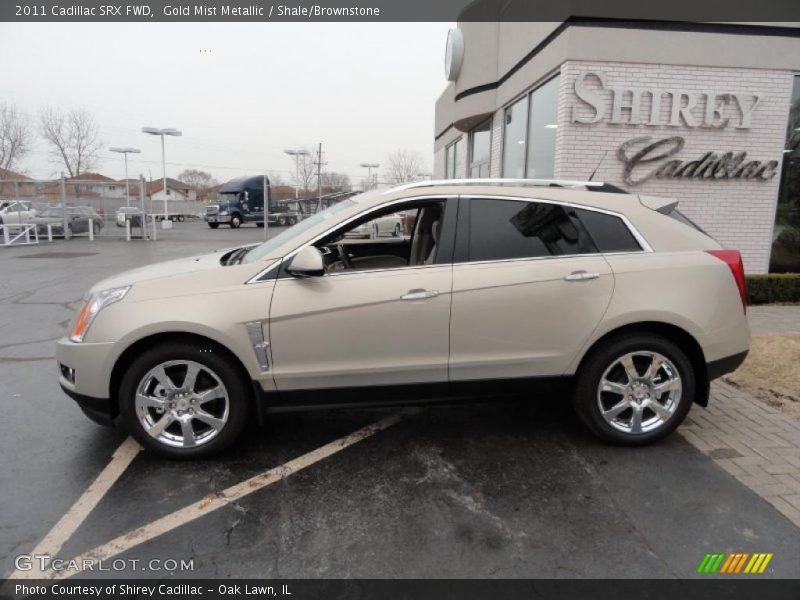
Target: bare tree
[74, 138]
[337, 182]
[15, 136]
[403, 166]
[201, 181]
[305, 170]
[276, 178]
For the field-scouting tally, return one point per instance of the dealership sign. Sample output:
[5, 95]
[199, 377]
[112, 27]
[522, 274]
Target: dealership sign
[645, 158]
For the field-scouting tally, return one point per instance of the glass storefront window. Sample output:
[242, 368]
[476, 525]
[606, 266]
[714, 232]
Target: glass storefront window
[454, 159]
[785, 257]
[516, 121]
[543, 123]
[480, 149]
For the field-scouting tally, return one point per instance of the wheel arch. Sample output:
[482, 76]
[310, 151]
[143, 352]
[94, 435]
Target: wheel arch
[130, 353]
[678, 336]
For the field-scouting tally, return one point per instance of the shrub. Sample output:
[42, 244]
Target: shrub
[773, 288]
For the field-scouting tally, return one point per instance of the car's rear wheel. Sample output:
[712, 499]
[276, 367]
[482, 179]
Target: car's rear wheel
[635, 390]
[183, 401]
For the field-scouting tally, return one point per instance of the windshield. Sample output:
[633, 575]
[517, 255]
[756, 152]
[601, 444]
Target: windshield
[264, 249]
[227, 199]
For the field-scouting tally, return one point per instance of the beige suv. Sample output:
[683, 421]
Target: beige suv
[501, 288]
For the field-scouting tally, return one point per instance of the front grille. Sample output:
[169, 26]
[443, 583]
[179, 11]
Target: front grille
[212, 209]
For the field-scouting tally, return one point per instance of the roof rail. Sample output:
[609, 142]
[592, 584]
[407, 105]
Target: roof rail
[500, 181]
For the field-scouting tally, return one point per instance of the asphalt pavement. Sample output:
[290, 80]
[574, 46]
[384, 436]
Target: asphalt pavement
[497, 489]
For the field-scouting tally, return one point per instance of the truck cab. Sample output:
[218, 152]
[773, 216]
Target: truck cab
[241, 200]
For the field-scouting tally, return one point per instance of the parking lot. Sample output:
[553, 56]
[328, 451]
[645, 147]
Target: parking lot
[506, 489]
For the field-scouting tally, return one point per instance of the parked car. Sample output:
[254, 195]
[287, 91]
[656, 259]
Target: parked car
[390, 225]
[130, 213]
[16, 212]
[78, 219]
[613, 301]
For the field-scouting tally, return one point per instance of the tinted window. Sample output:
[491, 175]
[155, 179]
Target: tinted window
[610, 234]
[502, 229]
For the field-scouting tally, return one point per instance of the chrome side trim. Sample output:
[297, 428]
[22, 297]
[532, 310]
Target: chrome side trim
[258, 278]
[255, 332]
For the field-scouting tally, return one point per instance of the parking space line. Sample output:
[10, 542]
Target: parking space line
[212, 502]
[58, 535]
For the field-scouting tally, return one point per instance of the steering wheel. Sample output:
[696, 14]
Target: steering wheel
[343, 256]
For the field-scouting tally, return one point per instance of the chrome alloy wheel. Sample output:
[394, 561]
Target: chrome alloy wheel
[639, 392]
[182, 403]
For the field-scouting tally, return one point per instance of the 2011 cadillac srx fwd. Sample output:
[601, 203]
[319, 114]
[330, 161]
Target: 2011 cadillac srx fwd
[503, 287]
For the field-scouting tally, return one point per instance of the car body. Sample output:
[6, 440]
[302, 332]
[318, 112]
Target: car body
[505, 287]
[16, 212]
[78, 220]
[130, 213]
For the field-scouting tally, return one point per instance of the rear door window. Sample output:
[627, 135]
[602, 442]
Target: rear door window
[609, 233]
[509, 229]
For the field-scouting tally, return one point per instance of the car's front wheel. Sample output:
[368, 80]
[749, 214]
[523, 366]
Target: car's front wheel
[634, 390]
[183, 401]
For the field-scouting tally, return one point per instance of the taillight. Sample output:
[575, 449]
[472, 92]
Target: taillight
[733, 259]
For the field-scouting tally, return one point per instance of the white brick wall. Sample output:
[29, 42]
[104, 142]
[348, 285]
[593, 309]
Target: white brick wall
[737, 213]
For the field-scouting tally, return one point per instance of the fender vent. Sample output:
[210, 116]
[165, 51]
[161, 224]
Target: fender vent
[260, 345]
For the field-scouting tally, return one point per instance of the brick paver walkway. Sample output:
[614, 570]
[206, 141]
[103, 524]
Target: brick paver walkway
[754, 442]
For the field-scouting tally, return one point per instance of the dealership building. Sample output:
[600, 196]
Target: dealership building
[706, 113]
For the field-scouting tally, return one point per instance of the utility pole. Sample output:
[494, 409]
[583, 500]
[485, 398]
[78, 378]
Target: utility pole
[319, 176]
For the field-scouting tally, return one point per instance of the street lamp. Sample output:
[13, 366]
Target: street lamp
[162, 133]
[126, 151]
[296, 154]
[369, 167]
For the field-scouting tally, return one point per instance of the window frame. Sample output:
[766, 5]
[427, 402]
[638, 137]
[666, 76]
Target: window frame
[461, 252]
[528, 98]
[470, 143]
[446, 239]
[452, 147]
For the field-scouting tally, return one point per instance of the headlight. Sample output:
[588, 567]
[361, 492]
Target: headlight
[92, 308]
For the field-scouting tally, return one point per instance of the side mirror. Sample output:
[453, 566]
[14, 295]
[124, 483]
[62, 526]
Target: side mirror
[307, 263]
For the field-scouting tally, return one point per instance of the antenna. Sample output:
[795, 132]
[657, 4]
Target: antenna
[602, 158]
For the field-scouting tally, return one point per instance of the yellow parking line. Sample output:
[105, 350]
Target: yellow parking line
[764, 564]
[72, 519]
[212, 502]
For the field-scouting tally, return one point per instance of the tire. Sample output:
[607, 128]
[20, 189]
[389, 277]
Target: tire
[216, 375]
[181, 218]
[625, 399]
[397, 230]
[281, 221]
[236, 222]
[96, 228]
[292, 221]
[213, 225]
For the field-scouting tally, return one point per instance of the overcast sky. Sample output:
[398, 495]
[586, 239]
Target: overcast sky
[363, 90]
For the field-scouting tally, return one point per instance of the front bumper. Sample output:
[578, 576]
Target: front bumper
[218, 218]
[97, 409]
[92, 364]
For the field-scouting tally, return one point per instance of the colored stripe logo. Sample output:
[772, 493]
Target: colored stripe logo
[735, 563]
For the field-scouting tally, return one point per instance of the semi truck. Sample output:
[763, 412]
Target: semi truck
[241, 200]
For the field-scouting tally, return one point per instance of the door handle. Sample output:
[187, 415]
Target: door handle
[581, 276]
[419, 294]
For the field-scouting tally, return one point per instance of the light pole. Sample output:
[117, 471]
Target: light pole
[162, 133]
[369, 167]
[126, 151]
[296, 154]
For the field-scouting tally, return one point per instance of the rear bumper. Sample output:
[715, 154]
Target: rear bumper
[722, 366]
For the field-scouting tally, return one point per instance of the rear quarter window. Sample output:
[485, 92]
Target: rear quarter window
[682, 218]
[610, 233]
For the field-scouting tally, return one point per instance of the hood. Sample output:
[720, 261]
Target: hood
[167, 270]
